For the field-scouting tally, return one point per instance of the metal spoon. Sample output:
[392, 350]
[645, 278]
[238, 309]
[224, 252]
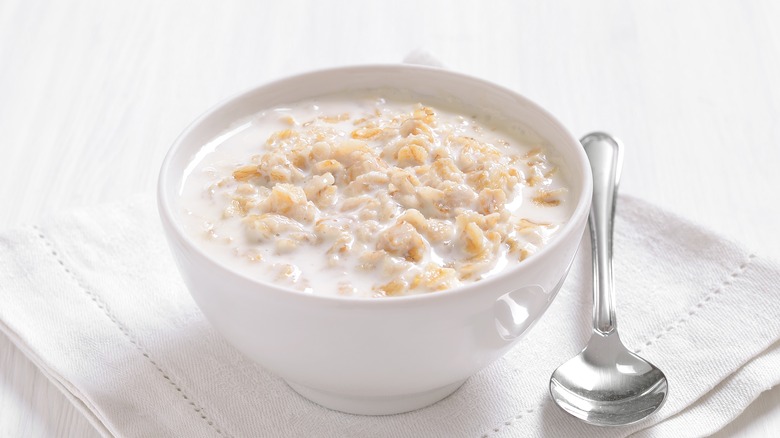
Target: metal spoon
[606, 384]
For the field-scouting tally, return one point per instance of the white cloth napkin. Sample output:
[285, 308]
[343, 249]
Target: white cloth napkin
[94, 300]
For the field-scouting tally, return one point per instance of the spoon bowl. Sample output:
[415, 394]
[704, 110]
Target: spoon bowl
[624, 388]
[606, 384]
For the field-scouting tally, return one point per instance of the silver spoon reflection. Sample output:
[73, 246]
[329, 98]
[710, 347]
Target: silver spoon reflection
[606, 384]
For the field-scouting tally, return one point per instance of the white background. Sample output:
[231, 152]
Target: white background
[92, 93]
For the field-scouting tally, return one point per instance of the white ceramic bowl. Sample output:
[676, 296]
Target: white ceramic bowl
[375, 356]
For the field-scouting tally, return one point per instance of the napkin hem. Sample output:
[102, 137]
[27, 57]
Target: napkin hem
[72, 395]
[106, 310]
[722, 287]
[137, 346]
[730, 388]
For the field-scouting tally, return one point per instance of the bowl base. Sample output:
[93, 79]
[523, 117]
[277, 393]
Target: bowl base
[376, 405]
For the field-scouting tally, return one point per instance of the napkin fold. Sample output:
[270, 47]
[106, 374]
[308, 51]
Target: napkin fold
[93, 298]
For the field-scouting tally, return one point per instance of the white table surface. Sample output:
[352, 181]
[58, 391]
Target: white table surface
[93, 92]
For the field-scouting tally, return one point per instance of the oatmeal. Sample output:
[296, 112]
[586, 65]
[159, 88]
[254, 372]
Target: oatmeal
[372, 196]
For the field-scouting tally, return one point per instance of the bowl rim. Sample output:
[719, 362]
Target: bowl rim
[581, 210]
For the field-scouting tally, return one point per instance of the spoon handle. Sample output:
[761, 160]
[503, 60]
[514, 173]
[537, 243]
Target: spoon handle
[606, 160]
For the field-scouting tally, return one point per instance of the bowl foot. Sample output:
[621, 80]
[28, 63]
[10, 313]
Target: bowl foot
[376, 405]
